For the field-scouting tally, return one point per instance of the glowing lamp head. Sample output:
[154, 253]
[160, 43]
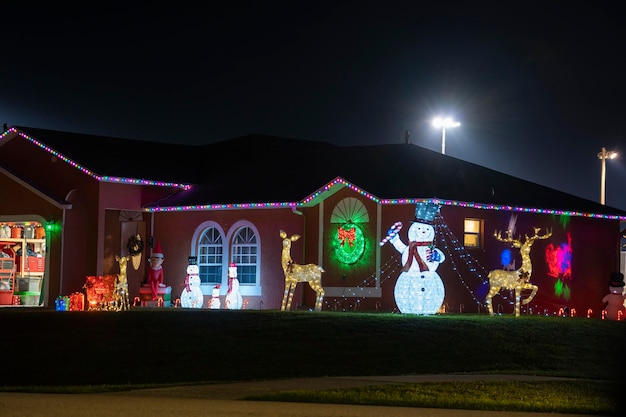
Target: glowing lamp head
[445, 122]
[604, 154]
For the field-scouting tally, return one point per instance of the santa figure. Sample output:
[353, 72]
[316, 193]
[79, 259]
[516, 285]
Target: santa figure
[233, 298]
[155, 272]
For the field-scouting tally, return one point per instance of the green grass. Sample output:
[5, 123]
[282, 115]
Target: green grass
[90, 351]
[575, 397]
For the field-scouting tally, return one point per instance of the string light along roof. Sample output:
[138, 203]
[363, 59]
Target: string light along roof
[236, 174]
[340, 183]
[88, 167]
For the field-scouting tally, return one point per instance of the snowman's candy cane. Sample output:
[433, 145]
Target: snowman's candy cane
[392, 232]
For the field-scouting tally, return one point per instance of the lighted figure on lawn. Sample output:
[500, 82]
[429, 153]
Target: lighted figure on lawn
[295, 273]
[192, 297]
[155, 272]
[121, 285]
[234, 300]
[615, 299]
[518, 280]
[215, 302]
[419, 288]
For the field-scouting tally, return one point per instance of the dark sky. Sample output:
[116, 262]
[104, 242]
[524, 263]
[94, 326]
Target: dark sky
[538, 86]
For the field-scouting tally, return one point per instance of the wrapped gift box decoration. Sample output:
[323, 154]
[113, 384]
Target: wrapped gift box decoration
[100, 290]
[77, 301]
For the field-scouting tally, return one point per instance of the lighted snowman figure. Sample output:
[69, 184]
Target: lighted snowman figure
[234, 300]
[419, 289]
[192, 297]
[215, 298]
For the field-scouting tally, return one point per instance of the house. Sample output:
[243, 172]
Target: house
[227, 202]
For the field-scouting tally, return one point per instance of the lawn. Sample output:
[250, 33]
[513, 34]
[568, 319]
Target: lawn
[570, 396]
[45, 348]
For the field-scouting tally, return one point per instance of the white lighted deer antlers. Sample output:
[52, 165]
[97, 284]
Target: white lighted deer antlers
[518, 280]
[295, 273]
[121, 286]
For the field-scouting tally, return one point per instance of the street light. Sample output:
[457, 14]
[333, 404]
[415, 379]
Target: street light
[443, 123]
[603, 156]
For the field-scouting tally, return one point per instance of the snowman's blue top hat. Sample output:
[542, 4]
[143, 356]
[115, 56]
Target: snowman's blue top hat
[192, 260]
[426, 212]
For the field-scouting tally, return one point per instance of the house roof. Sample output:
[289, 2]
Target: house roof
[118, 157]
[268, 169]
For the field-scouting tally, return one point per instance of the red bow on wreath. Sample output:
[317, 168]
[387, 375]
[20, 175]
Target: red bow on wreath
[349, 235]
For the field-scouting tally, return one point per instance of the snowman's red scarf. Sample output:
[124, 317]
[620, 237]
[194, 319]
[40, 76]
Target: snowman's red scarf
[413, 254]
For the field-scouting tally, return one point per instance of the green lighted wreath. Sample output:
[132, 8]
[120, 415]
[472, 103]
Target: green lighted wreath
[349, 243]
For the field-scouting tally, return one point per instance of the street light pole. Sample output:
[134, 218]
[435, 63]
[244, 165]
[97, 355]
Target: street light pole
[603, 156]
[443, 140]
[443, 123]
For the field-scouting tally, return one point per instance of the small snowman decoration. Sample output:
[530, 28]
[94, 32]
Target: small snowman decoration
[215, 298]
[615, 299]
[419, 288]
[233, 298]
[192, 297]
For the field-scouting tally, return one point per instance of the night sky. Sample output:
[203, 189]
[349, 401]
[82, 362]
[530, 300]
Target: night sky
[538, 87]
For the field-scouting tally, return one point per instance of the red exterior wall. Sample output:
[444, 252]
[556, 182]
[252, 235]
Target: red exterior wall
[90, 237]
[76, 245]
[175, 231]
[591, 245]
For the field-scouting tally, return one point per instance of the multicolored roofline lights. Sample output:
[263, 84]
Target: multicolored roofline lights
[103, 178]
[343, 183]
[205, 207]
[308, 200]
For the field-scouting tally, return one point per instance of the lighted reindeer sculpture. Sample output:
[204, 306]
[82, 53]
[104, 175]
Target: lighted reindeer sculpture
[121, 286]
[295, 273]
[518, 280]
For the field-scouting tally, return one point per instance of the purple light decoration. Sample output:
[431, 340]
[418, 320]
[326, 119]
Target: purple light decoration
[559, 259]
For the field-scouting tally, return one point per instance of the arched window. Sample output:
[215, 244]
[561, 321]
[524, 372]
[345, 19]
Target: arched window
[210, 256]
[245, 254]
